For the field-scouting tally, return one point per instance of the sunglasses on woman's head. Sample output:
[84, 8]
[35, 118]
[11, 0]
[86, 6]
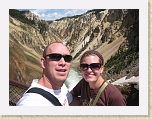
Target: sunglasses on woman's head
[93, 66]
[57, 57]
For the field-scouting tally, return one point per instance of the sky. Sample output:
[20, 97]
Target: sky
[53, 14]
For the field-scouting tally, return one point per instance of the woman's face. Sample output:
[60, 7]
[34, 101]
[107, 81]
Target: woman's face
[91, 68]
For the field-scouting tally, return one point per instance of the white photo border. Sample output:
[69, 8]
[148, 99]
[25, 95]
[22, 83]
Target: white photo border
[142, 5]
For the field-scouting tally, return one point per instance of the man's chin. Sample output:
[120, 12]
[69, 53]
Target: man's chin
[62, 78]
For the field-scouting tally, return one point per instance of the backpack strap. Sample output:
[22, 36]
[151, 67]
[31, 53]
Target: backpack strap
[45, 94]
[99, 92]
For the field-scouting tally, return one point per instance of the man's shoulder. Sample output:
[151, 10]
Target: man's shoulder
[32, 99]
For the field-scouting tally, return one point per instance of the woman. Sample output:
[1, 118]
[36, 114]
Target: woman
[91, 67]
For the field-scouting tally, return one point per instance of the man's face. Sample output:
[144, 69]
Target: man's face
[56, 71]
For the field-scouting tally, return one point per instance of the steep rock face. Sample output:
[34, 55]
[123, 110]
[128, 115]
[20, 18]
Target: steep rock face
[77, 29]
[26, 44]
[107, 31]
[93, 29]
[30, 36]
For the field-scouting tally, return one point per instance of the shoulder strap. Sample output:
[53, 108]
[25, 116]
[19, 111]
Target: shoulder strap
[45, 94]
[99, 93]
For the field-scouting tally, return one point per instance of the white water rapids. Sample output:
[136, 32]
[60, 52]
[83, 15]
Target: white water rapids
[73, 78]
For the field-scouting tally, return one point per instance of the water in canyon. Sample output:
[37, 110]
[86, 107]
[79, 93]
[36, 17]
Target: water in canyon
[73, 78]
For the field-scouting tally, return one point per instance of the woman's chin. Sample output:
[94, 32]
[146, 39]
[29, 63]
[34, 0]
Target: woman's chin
[90, 79]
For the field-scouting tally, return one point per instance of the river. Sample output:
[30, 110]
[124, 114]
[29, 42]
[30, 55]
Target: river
[73, 78]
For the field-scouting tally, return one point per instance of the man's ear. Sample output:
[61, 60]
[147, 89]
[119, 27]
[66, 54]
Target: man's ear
[43, 62]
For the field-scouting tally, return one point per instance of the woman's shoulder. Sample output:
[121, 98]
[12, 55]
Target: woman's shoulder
[111, 87]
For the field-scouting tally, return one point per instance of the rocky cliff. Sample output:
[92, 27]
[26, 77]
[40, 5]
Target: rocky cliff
[112, 32]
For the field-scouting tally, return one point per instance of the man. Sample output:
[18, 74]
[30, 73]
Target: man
[56, 66]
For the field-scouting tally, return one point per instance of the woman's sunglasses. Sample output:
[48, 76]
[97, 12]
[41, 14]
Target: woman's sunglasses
[57, 57]
[93, 66]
